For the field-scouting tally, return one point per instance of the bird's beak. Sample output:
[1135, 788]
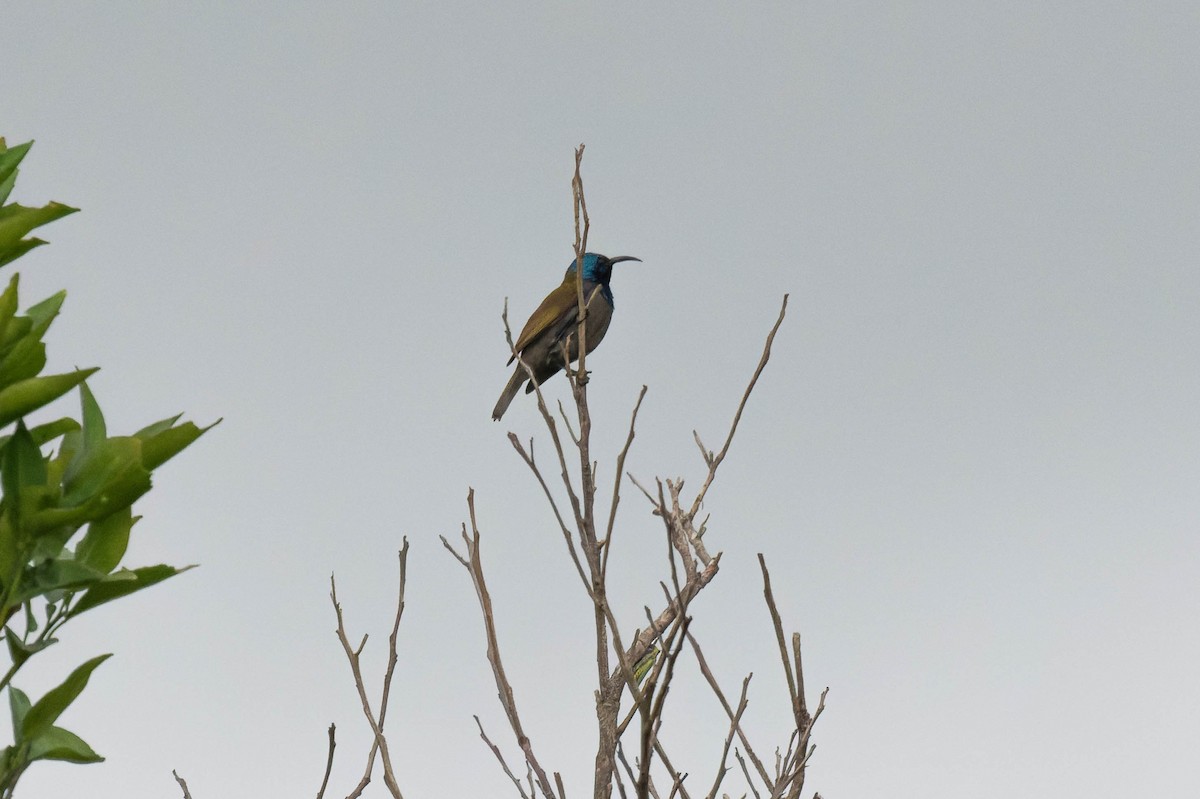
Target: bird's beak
[620, 258]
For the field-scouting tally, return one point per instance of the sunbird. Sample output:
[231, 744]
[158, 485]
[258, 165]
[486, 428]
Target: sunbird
[555, 320]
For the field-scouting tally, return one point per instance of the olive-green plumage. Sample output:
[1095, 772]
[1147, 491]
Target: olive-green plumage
[540, 342]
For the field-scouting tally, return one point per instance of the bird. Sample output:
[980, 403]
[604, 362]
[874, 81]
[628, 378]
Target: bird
[540, 342]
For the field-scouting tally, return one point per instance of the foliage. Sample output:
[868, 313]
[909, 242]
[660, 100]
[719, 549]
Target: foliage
[49, 573]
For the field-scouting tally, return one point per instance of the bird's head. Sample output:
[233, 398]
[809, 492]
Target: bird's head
[598, 268]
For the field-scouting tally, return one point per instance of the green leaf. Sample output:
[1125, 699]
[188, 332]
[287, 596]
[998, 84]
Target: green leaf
[10, 157]
[10, 555]
[58, 574]
[101, 480]
[45, 433]
[23, 478]
[26, 359]
[21, 398]
[66, 454]
[122, 583]
[18, 702]
[22, 464]
[20, 248]
[59, 744]
[94, 429]
[41, 717]
[49, 541]
[17, 220]
[154, 429]
[8, 305]
[160, 447]
[18, 328]
[44, 312]
[6, 184]
[104, 543]
[22, 353]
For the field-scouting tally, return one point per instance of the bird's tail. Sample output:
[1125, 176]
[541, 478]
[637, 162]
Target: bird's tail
[510, 391]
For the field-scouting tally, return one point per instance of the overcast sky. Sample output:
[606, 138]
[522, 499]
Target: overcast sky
[972, 463]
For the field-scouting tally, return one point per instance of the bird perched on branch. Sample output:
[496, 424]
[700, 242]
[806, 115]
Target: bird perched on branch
[555, 321]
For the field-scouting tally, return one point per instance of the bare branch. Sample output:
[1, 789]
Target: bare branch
[328, 762]
[734, 727]
[677, 777]
[616, 494]
[705, 452]
[652, 713]
[550, 425]
[579, 202]
[662, 621]
[798, 665]
[715, 461]
[562, 412]
[474, 566]
[625, 763]
[749, 780]
[500, 757]
[182, 784]
[392, 655]
[796, 701]
[642, 488]
[733, 718]
[352, 655]
[562, 525]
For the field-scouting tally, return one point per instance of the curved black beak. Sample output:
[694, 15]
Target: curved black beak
[620, 258]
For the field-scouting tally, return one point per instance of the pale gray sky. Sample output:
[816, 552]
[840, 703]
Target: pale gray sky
[973, 462]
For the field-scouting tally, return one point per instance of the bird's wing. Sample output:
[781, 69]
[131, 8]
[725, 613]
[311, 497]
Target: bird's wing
[560, 307]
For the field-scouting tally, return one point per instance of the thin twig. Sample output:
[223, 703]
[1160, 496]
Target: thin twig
[182, 784]
[652, 715]
[328, 761]
[643, 641]
[734, 723]
[380, 744]
[548, 418]
[715, 461]
[500, 757]
[616, 494]
[474, 566]
[716, 687]
[625, 762]
[527, 456]
[783, 651]
[677, 776]
[749, 780]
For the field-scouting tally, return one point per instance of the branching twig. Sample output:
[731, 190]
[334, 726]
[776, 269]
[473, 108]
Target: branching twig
[500, 757]
[527, 456]
[733, 717]
[616, 497]
[715, 461]
[734, 729]
[474, 566]
[380, 744]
